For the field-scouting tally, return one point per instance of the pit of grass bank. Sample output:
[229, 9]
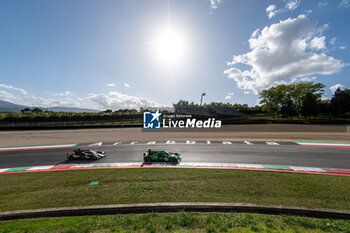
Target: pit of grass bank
[37, 190]
[179, 222]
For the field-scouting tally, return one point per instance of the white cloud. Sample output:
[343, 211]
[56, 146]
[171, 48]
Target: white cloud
[66, 93]
[336, 86]
[334, 46]
[280, 53]
[57, 101]
[307, 79]
[290, 5]
[111, 84]
[321, 29]
[322, 4]
[115, 100]
[271, 11]
[344, 3]
[318, 43]
[214, 4]
[6, 96]
[229, 96]
[112, 100]
[126, 85]
[332, 41]
[21, 90]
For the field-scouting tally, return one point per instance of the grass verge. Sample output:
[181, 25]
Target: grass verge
[37, 190]
[179, 222]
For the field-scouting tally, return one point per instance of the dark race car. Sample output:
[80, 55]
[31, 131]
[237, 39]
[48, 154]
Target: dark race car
[161, 156]
[85, 155]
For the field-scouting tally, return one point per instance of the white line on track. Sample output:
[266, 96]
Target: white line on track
[188, 142]
[272, 143]
[96, 144]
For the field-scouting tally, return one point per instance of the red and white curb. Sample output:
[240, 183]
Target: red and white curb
[235, 166]
[325, 144]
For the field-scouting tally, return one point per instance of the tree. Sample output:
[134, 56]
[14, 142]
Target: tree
[297, 92]
[108, 111]
[326, 108]
[288, 99]
[341, 102]
[241, 107]
[309, 105]
[25, 110]
[37, 110]
[182, 102]
[270, 100]
[288, 109]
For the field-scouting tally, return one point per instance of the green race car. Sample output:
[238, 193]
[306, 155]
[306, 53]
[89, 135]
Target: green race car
[161, 156]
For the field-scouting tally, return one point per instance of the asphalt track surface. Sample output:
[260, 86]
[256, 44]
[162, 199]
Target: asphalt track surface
[271, 153]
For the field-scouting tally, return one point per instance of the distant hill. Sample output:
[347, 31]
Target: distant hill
[11, 107]
[67, 109]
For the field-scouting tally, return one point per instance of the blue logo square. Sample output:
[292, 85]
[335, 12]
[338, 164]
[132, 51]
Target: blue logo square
[151, 120]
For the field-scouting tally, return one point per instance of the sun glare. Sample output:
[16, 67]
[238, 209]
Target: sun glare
[170, 47]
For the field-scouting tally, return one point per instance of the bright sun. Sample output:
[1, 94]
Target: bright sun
[170, 47]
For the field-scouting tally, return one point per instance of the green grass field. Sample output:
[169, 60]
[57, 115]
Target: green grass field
[179, 222]
[149, 185]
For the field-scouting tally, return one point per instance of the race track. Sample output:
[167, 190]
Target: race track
[272, 153]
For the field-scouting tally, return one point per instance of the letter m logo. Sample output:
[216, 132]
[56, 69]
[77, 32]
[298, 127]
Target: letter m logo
[151, 120]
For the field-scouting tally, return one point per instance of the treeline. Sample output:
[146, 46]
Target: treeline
[244, 108]
[304, 99]
[38, 115]
[108, 111]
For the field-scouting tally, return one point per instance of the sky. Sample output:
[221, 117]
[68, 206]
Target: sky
[116, 54]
